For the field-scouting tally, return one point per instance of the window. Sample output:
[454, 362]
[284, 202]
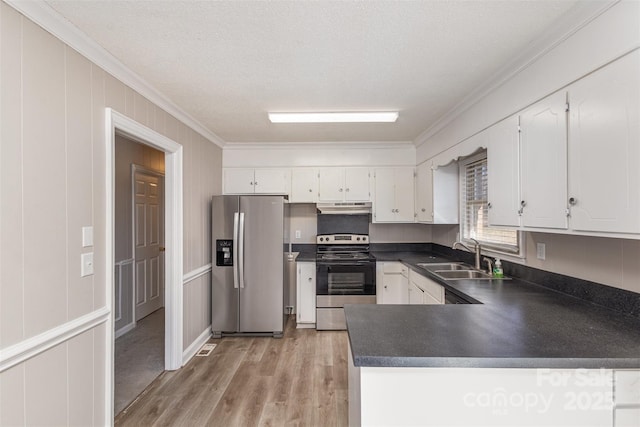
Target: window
[474, 220]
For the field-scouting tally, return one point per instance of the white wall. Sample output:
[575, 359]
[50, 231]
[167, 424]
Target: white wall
[613, 262]
[319, 154]
[52, 183]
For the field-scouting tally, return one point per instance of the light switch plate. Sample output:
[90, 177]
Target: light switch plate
[298, 234]
[86, 264]
[541, 250]
[87, 237]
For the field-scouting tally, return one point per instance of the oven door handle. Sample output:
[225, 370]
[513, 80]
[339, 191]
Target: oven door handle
[346, 264]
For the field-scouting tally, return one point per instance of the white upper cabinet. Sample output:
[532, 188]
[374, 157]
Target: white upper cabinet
[357, 182]
[257, 181]
[543, 163]
[394, 195]
[304, 185]
[503, 160]
[238, 181]
[424, 192]
[446, 194]
[604, 149]
[344, 185]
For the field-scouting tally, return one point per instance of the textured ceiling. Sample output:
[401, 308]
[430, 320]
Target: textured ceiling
[227, 63]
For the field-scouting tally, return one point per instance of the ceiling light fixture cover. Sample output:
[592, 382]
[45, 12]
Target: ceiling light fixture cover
[350, 117]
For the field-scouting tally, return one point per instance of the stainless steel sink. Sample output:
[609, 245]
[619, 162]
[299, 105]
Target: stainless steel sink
[445, 266]
[456, 271]
[462, 274]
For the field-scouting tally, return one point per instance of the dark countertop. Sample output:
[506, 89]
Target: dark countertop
[518, 325]
[306, 257]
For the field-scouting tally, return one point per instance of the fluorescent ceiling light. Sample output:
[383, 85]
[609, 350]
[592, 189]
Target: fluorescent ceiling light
[362, 117]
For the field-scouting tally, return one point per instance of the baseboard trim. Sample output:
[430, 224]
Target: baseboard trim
[31, 347]
[195, 345]
[126, 328]
[194, 274]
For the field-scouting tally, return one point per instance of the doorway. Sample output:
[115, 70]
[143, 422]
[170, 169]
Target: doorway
[119, 125]
[139, 279]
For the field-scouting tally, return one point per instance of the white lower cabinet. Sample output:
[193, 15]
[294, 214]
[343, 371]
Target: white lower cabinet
[392, 283]
[416, 295]
[306, 295]
[423, 290]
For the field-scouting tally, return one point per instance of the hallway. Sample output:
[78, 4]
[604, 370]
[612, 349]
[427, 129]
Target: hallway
[139, 359]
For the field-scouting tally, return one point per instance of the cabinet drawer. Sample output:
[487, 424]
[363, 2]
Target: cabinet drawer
[428, 285]
[394, 267]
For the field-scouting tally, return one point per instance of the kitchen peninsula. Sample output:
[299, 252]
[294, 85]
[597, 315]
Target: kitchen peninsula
[526, 355]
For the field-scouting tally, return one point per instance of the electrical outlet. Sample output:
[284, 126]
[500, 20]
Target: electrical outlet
[86, 264]
[541, 249]
[298, 234]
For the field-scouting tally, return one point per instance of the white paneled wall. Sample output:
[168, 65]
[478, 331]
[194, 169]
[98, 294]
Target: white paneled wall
[52, 183]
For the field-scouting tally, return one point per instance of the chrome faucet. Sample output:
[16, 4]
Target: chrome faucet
[489, 262]
[477, 250]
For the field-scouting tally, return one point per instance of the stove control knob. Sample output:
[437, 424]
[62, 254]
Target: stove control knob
[364, 238]
[358, 239]
[321, 239]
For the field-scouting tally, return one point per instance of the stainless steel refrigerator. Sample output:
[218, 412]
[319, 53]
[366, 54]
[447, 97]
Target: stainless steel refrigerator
[247, 289]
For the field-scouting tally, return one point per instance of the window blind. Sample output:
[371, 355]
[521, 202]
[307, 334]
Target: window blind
[475, 213]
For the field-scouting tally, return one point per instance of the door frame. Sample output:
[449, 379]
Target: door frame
[138, 168]
[117, 123]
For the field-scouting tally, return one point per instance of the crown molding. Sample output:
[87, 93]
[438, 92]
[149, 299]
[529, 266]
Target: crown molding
[569, 24]
[45, 16]
[372, 145]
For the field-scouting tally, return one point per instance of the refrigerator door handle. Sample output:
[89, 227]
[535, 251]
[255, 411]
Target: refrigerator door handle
[241, 249]
[235, 250]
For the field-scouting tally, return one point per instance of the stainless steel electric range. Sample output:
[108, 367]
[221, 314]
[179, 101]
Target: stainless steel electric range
[345, 274]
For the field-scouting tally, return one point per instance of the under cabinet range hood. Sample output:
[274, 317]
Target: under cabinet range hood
[345, 208]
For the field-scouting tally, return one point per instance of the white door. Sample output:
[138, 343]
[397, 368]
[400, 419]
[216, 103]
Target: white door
[148, 232]
[272, 181]
[416, 295]
[503, 160]
[238, 181]
[604, 149]
[384, 205]
[304, 185]
[356, 182]
[331, 185]
[543, 142]
[404, 194]
[424, 192]
[306, 310]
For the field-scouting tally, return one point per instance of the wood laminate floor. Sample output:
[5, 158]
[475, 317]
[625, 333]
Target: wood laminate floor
[298, 380]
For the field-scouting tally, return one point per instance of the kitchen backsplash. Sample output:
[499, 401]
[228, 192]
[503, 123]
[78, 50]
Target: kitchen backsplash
[613, 262]
[303, 217]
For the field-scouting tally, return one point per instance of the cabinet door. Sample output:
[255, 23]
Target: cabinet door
[424, 192]
[357, 185]
[503, 159]
[543, 163]
[272, 181]
[331, 185]
[304, 185]
[404, 195]
[306, 310]
[446, 194]
[416, 295]
[238, 181]
[604, 149]
[384, 203]
[395, 289]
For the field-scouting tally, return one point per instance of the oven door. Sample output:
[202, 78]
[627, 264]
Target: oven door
[346, 278]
